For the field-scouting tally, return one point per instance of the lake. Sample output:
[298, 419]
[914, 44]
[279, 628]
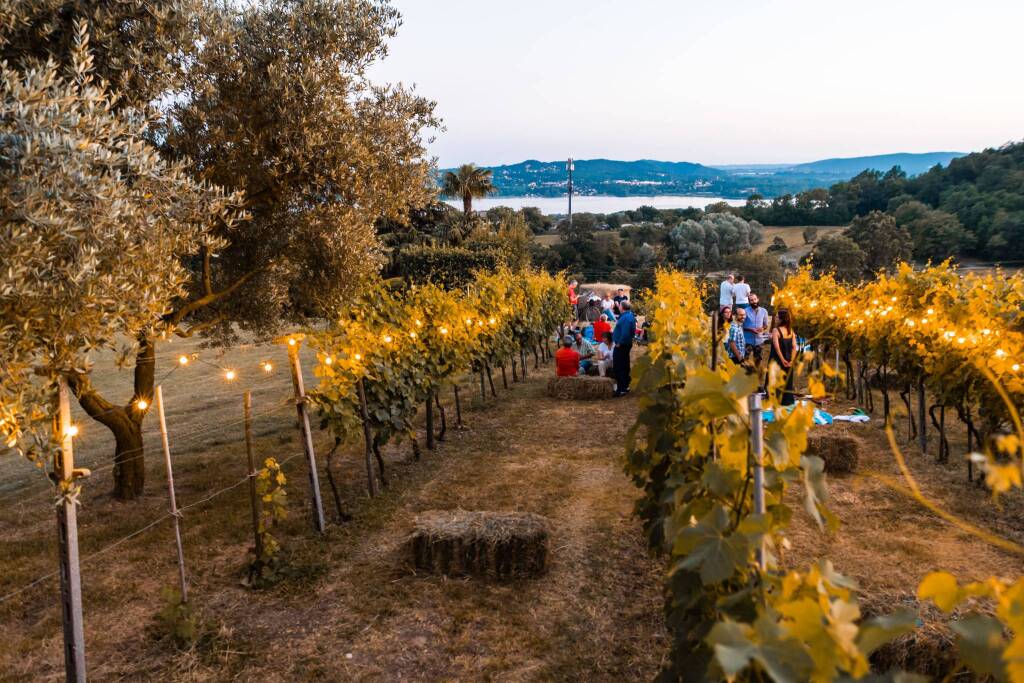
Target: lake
[596, 203]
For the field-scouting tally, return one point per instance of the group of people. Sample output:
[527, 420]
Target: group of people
[602, 347]
[596, 306]
[751, 334]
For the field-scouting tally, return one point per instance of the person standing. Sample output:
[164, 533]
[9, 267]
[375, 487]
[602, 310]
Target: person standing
[735, 345]
[619, 298]
[574, 300]
[741, 292]
[725, 292]
[622, 337]
[755, 331]
[783, 352]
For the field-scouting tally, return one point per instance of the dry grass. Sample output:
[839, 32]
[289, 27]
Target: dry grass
[348, 608]
[887, 542]
[794, 238]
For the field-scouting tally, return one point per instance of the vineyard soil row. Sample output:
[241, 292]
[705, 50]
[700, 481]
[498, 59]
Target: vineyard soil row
[595, 616]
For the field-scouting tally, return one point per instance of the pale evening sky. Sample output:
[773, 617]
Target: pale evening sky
[733, 81]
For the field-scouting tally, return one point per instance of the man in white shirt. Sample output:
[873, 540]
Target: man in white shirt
[725, 293]
[741, 292]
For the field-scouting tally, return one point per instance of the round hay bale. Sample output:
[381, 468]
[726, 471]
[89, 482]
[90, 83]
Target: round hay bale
[581, 387]
[841, 452]
[929, 650]
[496, 544]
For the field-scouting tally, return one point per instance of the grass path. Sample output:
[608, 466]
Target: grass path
[353, 610]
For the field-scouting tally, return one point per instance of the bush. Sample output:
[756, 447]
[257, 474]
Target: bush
[778, 246]
[447, 267]
[810, 234]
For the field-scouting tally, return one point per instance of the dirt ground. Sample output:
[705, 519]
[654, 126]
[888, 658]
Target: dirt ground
[350, 607]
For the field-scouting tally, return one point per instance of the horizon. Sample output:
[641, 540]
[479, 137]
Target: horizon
[748, 83]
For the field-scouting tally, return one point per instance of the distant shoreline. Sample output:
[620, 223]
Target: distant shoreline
[557, 206]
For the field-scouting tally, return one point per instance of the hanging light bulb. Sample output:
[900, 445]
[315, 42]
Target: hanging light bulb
[267, 367]
[182, 360]
[229, 375]
[443, 330]
[387, 339]
[291, 341]
[142, 404]
[72, 430]
[329, 360]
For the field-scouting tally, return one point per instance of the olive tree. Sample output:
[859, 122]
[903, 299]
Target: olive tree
[95, 225]
[275, 103]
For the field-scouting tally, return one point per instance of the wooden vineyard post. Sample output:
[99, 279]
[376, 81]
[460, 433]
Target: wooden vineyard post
[490, 379]
[458, 406]
[921, 417]
[371, 480]
[757, 452]
[504, 376]
[515, 373]
[430, 421]
[182, 580]
[714, 340]
[67, 535]
[253, 498]
[307, 434]
[837, 373]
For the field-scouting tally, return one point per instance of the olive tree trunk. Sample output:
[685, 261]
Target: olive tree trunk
[124, 422]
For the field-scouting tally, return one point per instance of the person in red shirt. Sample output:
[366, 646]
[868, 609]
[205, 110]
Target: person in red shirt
[567, 361]
[600, 328]
[574, 300]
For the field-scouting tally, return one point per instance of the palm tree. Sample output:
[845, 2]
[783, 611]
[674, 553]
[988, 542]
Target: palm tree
[468, 182]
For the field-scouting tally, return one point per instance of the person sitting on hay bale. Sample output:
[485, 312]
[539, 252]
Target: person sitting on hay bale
[604, 355]
[567, 361]
[585, 350]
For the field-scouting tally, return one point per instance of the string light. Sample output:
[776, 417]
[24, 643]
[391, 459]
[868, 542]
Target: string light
[229, 375]
[142, 404]
[419, 323]
[1000, 353]
[492, 321]
[291, 341]
[330, 360]
[412, 335]
[1016, 367]
[182, 360]
[443, 330]
[267, 367]
[72, 430]
[388, 338]
[358, 356]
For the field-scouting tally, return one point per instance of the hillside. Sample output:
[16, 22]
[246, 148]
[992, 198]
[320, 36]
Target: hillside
[649, 177]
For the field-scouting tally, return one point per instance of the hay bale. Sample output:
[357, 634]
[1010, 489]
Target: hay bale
[929, 650]
[581, 387]
[496, 544]
[841, 452]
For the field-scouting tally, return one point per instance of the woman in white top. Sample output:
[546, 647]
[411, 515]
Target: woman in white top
[604, 355]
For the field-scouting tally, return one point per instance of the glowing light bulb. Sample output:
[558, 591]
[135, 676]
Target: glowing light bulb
[229, 375]
[443, 330]
[1016, 367]
[72, 430]
[419, 323]
[142, 404]
[267, 367]
[931, 311]
[291, 341]
[469, 321]
[492, 321]
[412, 335]
[330, 360]
[924, 321]
[960, 340]
[1000, 353]
[182, 360]
[358, 356]
[893, 299]
[387, 339]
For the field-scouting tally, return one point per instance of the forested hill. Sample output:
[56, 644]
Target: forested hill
[647, 177]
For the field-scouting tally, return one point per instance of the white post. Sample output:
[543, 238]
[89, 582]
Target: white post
[757, 451]
[170, 489]
[307, 435]
[67, 534]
